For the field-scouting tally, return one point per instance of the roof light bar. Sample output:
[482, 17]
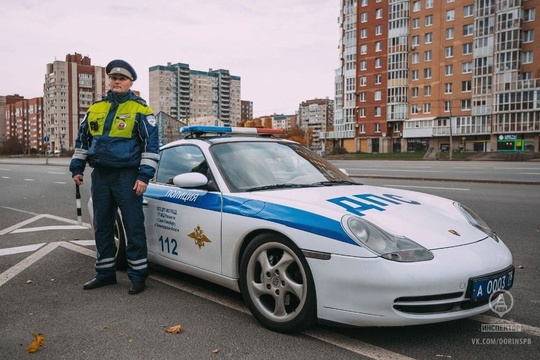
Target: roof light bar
[229, 130]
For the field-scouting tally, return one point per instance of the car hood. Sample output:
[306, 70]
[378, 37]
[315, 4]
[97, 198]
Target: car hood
[431, 221]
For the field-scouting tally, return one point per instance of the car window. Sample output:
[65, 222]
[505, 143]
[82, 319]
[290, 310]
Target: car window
[180, 160]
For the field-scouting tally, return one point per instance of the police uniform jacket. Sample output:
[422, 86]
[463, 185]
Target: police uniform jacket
[117, 132]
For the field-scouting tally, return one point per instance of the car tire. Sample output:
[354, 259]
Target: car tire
[120, 241]
[277, 284]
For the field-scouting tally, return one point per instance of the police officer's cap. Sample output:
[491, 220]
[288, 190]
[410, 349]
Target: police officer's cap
[121, 67]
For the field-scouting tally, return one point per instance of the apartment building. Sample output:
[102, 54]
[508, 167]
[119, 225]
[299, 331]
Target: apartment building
[246, 110]
[315, 116]
[188, 94]
[441, 74]
[70, 88]
[24, 121]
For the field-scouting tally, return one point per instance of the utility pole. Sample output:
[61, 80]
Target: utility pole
[450, 148]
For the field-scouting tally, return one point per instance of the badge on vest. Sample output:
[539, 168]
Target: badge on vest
[121, 126]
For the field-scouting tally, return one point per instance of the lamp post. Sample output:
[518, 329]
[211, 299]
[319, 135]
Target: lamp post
[450, 148]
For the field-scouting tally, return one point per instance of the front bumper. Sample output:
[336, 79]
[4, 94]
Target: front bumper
[378, 292]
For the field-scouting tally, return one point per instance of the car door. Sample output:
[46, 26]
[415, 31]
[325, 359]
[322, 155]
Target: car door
[183, 225]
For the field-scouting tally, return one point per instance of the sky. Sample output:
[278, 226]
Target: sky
[285, 51]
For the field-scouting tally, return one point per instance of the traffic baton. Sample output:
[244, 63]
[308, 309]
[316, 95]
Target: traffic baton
[78, 201]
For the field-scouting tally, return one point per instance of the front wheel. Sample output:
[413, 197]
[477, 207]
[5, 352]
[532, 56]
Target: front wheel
[277, 284]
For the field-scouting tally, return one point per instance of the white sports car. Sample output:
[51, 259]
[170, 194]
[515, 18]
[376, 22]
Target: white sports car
[303, 242]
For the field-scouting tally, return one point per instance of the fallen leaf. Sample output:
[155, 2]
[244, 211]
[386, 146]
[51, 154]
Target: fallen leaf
[215, 351]
[28, 281]
[174, 329]
[39, 340]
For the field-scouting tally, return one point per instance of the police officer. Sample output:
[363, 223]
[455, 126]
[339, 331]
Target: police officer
[118, 137]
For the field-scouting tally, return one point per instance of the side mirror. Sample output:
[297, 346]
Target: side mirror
[190, 180]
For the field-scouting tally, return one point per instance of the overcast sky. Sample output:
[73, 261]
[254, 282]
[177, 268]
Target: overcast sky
[285, 51]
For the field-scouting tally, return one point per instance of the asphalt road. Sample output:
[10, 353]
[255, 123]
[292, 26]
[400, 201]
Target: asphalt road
[45, 257]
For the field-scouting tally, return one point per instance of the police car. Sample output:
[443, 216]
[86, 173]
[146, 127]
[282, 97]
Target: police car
[304, 243]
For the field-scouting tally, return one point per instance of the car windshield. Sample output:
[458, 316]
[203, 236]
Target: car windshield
[260, 165]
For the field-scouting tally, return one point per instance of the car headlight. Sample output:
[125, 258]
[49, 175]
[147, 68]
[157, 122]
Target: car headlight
[388, 246]
[476, 221]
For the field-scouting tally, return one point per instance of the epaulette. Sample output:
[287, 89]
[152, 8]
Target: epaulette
[141, 101]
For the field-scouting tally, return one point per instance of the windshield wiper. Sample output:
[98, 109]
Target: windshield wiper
[281, 186]
[336, 182]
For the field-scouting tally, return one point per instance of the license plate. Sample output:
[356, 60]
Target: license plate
[483, 287]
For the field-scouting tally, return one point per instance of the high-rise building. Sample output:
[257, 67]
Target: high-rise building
[246, 110]
[24, 121]
[188, 94]
[442, 74]
[315, 117]
[71, 86]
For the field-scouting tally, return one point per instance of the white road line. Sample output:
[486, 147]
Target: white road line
[427, 187]
[528, 329]
[56, 172]
[20, 249]
[52, 227]
[356, 346]
[27, 262]
[29, 179]
[84, 242]
[60, 182]
[21, 224]
[79, 249]
[5, 177]
[40, 216]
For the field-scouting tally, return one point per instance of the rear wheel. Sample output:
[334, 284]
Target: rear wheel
[120, 241]
[277, 284]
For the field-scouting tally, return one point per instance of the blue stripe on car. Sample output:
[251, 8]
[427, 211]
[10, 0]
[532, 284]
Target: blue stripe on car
[279, 214]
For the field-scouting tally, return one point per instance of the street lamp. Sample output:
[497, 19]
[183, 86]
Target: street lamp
[450, 148]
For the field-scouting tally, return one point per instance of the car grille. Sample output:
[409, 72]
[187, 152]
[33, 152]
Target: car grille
[432, 304]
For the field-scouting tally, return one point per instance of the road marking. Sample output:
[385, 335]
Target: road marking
[60, 182]
[5, 177]
[15, 228]
[27, 262]
[427, 187]
[20, 249]
[51, 227]
[29, 180]
[56, 173]
[84, 242]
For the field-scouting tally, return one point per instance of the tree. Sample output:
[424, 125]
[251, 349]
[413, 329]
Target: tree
[12, 146]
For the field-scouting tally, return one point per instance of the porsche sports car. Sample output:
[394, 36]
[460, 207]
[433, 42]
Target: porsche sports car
[304, 243]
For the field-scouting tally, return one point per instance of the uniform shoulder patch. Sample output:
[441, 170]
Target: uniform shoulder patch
[151, 120]
[141, 101]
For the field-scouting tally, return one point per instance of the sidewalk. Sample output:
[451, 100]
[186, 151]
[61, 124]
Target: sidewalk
[51, 161]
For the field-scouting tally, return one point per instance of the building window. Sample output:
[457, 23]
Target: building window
[448, 88]
[466, 104]
[429, 4]
[377, 111]
[529, 15]
[377, 95]
[416, 23]
[427, 73]
[468, 10]
[414, 92]
[378, 78]
[528, 57]
[447, 105]
[415, 58]
[450, 15]
[362, 112]
[414, 109]
[449, 33]
[427, 55]
[363, 49]
[467, 49]
[363, 65]
[363, 17]
[427, 108]
[429, 20]
[378, 14]
[449, 51]
[428, 39]
[362, 97]
[377, 128]
[378, 63]
[448, 70]
[362, 128]
[527, 75]
[466, 67]
[416, 40]
[363, 81]
[427, 90]
[468, 30]
[378, 46]
[378, 30]
[363, 33]
[466, 86]
[414, 74]
[528, 36]
[416, 6]
[364, 3]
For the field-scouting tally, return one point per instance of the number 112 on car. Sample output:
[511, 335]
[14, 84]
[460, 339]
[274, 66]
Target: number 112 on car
[168, 246]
